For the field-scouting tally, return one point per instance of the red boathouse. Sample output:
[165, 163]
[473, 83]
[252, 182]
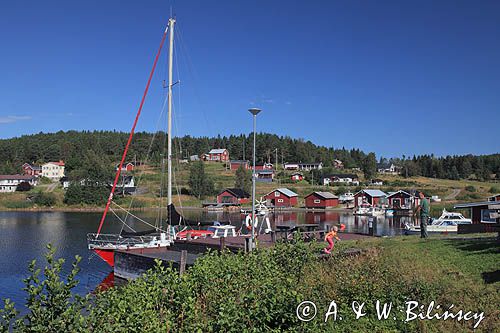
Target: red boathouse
[281, 197]
[321, 200]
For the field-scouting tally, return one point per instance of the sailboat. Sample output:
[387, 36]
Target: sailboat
[104, 245]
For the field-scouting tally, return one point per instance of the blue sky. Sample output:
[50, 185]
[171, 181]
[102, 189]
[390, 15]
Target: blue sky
[385, 76]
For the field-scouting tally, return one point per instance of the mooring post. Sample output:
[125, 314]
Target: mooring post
[273, 237]
[182, 264]
[222, 242]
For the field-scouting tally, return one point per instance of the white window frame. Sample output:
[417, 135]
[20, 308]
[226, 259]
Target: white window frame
[317, 201]
[280, 200]
[487, 211]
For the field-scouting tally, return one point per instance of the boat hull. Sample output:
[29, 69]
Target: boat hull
[107, 255]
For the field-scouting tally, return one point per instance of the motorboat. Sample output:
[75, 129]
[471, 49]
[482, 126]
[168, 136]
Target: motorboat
[346, 197]
[451, 216]
[446, 226]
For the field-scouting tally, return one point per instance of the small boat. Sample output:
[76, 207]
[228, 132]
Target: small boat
[451, 216]
[441, 227]
[346, 197]
[389, 212]
[366, 209]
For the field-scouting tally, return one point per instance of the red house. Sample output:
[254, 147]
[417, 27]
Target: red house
[32, 170]
[234, 196]
[402, 200]
[371, 197]
[126, 167]
[235, 164]
[281, 197]
[485, 212]
[321, 200]
[217, 155]
[297, 177]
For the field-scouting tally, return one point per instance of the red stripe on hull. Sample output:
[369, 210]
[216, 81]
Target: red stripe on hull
[107, 255]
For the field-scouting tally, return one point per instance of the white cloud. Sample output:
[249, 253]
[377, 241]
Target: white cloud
[13, 119]
[288, 103]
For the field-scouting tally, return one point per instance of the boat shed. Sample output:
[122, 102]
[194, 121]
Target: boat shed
[402, 200]
[372, 197]
[321, 200]
[233, 196]
[281, 197]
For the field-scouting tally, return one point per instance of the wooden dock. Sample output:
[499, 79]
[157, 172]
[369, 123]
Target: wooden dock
[131, 264]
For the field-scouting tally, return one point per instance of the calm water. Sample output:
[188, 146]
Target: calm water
[24, 236]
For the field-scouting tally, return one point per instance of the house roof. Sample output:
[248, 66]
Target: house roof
[324, 195]
[315, 163]
[16, 177]
[343, 175]
[265, 171]
[297, 173]
[476, 204]
[217, 151]
[374, 193]
[32, 167]
[60, 163]
[400, 191]
[285, 191]
[237, 192]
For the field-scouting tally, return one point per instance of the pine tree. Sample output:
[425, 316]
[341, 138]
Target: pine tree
[243, 179]
[201, 185]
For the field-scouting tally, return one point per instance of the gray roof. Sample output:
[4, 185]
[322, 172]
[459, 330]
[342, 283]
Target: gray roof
[476, 204]
[325, 195]
[400, 191]
[374, 193]
[217, 151]
[16, 177]
[286, 192]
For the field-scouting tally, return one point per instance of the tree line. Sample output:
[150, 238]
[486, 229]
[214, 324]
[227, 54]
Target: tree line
[107, 146]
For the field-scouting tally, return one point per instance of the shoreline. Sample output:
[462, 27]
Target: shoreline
[101, 209]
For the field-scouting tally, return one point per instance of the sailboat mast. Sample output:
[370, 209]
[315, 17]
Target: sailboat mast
[171, 23]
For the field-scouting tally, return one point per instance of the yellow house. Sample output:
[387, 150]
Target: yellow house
[53, 170]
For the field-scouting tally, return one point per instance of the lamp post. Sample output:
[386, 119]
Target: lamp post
[254, 112]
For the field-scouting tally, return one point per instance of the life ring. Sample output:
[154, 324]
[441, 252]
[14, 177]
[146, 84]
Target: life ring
[248, 222]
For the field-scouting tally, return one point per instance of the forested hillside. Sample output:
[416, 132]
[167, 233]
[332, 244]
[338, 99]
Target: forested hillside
[71, 146]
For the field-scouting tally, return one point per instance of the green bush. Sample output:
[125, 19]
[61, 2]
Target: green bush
[44, 199]
[470, 188]
[494, 190]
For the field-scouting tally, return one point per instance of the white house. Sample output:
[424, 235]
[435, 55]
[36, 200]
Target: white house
[341, 179]
[291, 166]
[8, 183]
[310, 166]
[53, 170]
[389, 169]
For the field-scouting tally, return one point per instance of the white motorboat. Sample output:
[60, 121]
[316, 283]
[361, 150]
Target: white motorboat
[441, 227]
[451, 216]
[346, 197]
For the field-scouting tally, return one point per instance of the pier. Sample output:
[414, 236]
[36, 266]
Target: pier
[132, 263]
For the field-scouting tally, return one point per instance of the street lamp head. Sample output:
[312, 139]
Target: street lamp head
[254, 111]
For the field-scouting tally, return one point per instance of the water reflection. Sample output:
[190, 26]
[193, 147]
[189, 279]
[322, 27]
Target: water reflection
[24, 236]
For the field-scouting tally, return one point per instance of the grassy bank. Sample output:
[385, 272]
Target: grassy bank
[260, 292]
[149, 183]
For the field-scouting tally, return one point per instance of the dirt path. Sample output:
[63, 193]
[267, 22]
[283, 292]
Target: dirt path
[453, 194]
[51, 187]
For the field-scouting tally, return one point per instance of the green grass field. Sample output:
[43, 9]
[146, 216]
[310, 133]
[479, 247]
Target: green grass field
[149, 181]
